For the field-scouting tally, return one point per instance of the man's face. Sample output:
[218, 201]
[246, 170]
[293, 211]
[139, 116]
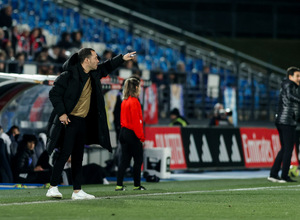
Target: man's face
[15, 132]
[30, 145]
[295, 78]
[93, 61]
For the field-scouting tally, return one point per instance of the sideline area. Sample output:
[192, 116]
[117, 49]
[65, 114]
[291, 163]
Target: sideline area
[207, 175]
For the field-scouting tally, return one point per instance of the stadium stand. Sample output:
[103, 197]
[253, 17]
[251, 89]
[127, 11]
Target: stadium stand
[255, 81]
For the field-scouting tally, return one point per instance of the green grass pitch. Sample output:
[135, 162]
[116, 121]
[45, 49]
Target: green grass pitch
[205, 199]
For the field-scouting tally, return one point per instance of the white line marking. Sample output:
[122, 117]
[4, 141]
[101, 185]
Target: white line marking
[153, 194]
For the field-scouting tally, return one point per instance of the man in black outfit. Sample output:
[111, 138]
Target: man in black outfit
[286, 123]
[79, 115]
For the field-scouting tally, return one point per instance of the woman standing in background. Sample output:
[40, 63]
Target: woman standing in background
[131, 134]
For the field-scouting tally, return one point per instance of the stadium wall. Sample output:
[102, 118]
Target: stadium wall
[218, 148]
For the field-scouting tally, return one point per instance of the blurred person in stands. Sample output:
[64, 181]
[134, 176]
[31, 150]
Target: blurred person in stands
[5, 157]
[76, 40]
[37, 41]
[2, 39]
[180, 66]
[14, 132]
[79, 115]
[220, 116]
[43, 62]
[177, 119]
[6, 175]
[15, 137]
[161, 83]
[6, 17]
[23, 44]
[131, 134]
[45, 68]
[25, 168]
[2, 61]
[6, 140]
[18, 65]
[286, 123]
[15, 36]
[107, 54]
[65, 41]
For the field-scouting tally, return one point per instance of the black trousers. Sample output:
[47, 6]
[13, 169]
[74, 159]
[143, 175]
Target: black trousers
[131, 147]
[287, 136]
[75, 135]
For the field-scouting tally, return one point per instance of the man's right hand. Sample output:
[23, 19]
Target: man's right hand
[64, 119]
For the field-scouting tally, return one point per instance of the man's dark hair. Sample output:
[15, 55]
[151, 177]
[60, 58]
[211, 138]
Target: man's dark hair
[291, 70]
[84, 53]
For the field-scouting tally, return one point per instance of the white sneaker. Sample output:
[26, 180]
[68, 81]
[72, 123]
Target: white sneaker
[54, 193]
[82, 195]
[105, 181]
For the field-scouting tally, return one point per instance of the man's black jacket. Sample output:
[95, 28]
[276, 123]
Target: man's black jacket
[288, 107]
[65, 94]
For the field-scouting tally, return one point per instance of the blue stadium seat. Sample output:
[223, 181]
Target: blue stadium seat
[22, 6]
[14, 4]
[189, 64]
[76, 25]
[214, 70]
[137, 43]
[59, 14]
[199, 64]
[107, 33]
[163, 65]
[16, 17]
[129, 39]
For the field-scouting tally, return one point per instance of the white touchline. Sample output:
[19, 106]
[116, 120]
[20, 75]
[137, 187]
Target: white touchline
[151, 194]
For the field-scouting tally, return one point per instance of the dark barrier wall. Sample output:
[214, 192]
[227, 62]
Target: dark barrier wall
[216, 148]
[213, 147]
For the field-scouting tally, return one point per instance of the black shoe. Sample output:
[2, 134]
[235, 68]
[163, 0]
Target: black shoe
[276, 179]
[139, 188]
[289, 180]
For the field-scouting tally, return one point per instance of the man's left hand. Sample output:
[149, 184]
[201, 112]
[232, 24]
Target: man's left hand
[129, 56]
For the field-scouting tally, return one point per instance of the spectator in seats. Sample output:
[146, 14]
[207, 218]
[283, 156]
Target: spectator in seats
[6, 140]
[23, 44]
[159, 80]
[131, 134]
[79, 116]
[161, 84]
[43, 61]
[76, 40]
[15, 36]
[6, 17]
[18, 65]
[220, 116]
[6, 175]
[45, 68]
[128, 64]
[286, 123]
[53, 53]
[180, 66]
[25, 168]
[107, 54]
[173, 79]
[14, 133]
[37, 41]
[2, 61]
[2, 39]
[203, 76]
[177, 119]
[65, 41]
[15, 137]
